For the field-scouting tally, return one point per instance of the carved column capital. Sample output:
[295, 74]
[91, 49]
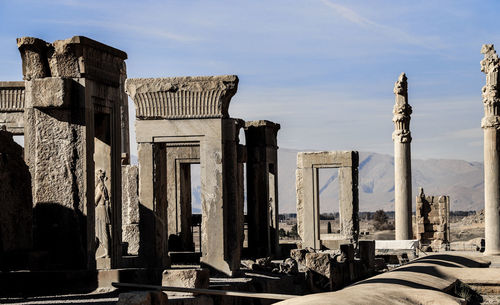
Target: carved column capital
[490, 93]
[402, 111]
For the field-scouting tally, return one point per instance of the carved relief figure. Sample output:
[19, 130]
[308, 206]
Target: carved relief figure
[102, 213]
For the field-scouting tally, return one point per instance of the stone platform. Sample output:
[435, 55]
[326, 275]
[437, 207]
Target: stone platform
[432, 279]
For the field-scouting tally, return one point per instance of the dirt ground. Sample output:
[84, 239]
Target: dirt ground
[462, 228]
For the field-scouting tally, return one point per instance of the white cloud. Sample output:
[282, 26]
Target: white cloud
[427, 42]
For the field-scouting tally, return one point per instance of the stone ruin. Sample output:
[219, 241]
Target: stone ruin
[307, 186]
[181, 121]
[74, 102]
[77, 203]
[432, 221]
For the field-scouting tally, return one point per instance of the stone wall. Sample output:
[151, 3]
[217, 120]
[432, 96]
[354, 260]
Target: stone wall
[130, 209]
[433, 229]
[15, 198]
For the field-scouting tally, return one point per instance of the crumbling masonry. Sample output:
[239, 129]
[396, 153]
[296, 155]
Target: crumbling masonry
[432, 221]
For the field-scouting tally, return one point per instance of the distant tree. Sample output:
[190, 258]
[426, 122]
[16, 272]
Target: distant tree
[282, 233]
[329, 228]
[294, 233]
[380, 221]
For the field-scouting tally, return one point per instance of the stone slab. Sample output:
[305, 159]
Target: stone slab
[396, 244]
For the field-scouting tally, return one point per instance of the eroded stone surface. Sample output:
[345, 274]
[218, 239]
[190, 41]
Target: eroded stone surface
[130, 208]
[186, 278]
[49, 92]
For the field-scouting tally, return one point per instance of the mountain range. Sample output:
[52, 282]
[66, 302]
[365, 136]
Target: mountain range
[461, 180]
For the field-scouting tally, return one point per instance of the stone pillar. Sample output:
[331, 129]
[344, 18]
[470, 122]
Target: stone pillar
[72, 131]
[491, 124]
[402, 160]
[262, 186]
[124, 126]
[130, 208]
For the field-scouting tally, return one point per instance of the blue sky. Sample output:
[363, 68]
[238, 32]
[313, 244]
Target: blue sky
[323, 69]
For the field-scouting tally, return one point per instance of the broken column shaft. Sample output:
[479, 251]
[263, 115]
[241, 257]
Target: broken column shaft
[402, 160]
[490, 124]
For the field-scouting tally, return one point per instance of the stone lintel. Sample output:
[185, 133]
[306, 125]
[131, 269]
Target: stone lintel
[49, 92]
[327, 158]
[12, 84]
[262, 123]
[190, 97]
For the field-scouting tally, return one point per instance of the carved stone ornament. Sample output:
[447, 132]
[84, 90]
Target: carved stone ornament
[102, 214]
[402, 111]
[490, 94]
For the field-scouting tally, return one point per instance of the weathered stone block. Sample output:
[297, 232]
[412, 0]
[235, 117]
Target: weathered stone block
[347, 252]
[130, 194]
[367, 252]
[143, 298]
[299, 255]
[50, 92]
[186, 278]
[131, 236]
[339, 158]
[319, 263]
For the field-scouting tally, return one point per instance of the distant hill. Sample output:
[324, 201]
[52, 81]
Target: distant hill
[461, 180]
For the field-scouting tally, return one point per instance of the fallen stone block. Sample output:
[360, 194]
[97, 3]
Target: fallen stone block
[143, 298]
[186, 278]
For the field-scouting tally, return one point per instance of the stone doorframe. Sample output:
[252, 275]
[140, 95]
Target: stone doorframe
[307, 187]
[182, 111]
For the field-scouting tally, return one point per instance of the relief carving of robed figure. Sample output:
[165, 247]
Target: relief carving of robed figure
[102, 214]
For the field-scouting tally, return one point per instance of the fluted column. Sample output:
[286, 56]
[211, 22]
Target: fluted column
[491, 124]
[402, 160]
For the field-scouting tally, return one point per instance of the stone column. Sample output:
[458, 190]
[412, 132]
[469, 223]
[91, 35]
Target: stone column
[402, 160]
[262, 186]
[491, 124]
